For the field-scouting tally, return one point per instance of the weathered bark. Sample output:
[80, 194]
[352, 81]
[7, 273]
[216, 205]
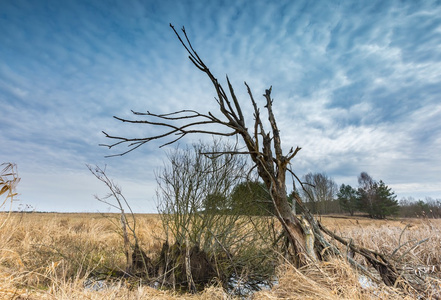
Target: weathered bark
[293, 229]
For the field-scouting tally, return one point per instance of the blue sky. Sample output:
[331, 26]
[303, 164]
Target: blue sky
[356, 84]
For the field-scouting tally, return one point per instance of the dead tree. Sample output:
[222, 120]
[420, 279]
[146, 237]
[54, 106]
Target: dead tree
[264, 147]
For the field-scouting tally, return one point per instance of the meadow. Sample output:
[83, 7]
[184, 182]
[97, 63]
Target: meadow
[54, 255]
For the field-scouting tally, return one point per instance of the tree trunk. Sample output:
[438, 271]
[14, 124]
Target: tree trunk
[298, 234]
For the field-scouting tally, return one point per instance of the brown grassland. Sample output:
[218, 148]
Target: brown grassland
[51, 255]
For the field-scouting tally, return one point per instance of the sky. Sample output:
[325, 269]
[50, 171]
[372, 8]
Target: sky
[356, 84]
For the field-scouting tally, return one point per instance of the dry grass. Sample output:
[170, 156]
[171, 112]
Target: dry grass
[49, 256]
[49, 251]
[329, 280]
[387, 235]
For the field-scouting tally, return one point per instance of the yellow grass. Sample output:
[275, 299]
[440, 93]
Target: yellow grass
[49, 256]
[386, 236]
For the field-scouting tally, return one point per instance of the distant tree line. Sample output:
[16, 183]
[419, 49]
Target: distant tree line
[412, 208]
[321, 195]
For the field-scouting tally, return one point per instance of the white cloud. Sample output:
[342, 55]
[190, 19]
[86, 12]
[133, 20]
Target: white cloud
[357, 86]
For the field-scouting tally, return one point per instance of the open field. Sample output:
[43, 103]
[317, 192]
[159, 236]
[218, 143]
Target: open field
[49, 256]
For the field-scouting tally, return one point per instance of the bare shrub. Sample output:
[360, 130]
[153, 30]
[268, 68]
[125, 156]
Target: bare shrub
[229, 244]
[8, 183]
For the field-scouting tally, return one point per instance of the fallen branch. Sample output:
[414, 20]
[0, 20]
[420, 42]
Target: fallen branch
[387, 269]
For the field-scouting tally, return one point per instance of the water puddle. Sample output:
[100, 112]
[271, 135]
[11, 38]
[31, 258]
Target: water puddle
[96, 284]
[366, 282]
[236, 286]
[246, 289]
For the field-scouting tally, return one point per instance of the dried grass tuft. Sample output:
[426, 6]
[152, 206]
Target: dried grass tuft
[334, 279]
[48, 256]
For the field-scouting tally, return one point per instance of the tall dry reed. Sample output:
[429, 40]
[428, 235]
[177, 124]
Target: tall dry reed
[50, 256]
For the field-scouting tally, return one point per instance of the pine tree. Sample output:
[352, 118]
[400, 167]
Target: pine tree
[348, 198]
[386, 203]
[376, 198]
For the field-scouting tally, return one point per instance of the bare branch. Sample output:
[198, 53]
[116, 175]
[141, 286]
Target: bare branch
[167, 116]
[236, 104]
[192, 56]
[229, 152]
[257, 121]
[272, 120]
[137, 142]
[291, 156]
[180, 131]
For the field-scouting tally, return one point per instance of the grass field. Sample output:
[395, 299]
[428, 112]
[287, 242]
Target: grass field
[50, 256]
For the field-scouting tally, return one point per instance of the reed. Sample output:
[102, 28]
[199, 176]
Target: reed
[51, 256]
